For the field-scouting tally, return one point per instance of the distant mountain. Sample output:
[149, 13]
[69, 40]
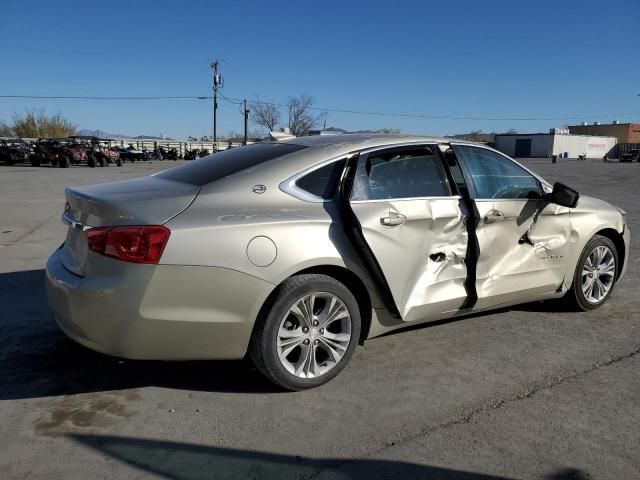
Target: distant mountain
[392, 131]
[150, 137]
[102, 134]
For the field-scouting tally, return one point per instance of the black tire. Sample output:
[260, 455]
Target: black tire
[91, 161]
[119, 162]
[35, 161]
[63, 162]
[575, 297]
[263, 349]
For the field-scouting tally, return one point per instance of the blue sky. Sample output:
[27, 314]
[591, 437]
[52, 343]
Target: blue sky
[536, 59]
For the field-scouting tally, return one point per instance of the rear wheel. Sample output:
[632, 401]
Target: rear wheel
[63, 162]
[308, 333]
[595, 274]
[91, 161]
[35, 161]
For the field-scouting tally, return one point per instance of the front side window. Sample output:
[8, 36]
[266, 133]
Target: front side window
[400, 173]
[495, 176]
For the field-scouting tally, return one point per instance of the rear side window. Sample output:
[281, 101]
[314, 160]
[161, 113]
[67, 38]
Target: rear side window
[322, 182]
[400, 173]
[222, 164]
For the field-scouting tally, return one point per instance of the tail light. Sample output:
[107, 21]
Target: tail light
[137, 244]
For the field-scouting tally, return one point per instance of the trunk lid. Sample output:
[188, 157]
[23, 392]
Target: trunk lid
[144, 201]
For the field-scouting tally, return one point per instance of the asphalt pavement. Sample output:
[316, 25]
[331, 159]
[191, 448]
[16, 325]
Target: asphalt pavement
[525, 392]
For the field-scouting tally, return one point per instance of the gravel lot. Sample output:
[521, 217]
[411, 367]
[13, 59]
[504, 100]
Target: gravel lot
[527, 392]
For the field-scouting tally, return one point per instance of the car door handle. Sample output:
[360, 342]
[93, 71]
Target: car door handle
[494, 216]
[393, 219]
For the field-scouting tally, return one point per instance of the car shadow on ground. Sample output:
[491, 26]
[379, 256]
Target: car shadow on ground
[182, 461]
[39, 360]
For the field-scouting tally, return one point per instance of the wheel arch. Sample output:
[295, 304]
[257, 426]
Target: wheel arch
[617, 239]
[350, 279]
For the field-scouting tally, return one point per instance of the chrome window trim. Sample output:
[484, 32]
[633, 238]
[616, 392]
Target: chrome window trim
[543, 182]
[289, 186]
[408, 199]
[392, 146]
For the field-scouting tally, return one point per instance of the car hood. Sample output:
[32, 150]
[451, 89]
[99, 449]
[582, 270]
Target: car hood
[591, 204]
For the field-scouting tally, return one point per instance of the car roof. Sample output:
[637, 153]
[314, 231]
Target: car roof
[358, 141]
[335, 145]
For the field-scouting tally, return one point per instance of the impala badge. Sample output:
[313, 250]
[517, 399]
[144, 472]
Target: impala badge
[259, 189]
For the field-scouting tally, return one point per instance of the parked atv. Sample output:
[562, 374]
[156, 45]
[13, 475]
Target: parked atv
[102, 156]
[192, 154]
[74, 152]
[168, 153]
[49, 151]
[155, 154]
[14, 150]
[131, 153]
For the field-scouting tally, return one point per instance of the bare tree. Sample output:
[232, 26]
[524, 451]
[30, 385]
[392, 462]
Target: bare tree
[265, 115]
[476, 135]
[5, 130]
[301, 120]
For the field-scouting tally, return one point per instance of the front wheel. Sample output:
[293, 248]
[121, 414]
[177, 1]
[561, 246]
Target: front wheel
[308, 332]
[595, 275]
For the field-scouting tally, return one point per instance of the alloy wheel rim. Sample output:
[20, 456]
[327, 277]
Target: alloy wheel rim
[598, 273]
[314, 335]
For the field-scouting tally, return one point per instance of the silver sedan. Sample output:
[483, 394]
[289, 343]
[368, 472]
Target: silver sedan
[294, 252]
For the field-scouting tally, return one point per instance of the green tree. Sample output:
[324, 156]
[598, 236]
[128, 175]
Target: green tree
[36, 125]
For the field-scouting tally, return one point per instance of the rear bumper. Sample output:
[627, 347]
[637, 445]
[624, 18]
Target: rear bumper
[156, 312]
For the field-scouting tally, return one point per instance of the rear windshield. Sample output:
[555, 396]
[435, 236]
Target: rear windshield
[222, 164]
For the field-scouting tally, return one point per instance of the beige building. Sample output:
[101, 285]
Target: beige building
[557, 142]
[624, 132]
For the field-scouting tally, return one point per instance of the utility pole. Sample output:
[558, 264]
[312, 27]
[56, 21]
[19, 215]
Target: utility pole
[246, 120]
[217, 81]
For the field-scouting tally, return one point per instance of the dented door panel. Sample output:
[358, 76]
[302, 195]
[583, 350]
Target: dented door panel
[423, 257]
[523, 247]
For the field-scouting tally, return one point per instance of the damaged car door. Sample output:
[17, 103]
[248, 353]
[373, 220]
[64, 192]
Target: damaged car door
[414, 227]
[522, 238]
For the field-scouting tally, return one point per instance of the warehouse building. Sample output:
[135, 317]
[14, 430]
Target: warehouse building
[624, 132]
[557, 142]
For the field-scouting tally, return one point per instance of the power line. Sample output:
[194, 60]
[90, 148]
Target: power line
[237, 101]
[232, 101]
[71, 97]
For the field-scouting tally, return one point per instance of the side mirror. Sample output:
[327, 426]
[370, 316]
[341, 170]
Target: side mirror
[563, 195]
